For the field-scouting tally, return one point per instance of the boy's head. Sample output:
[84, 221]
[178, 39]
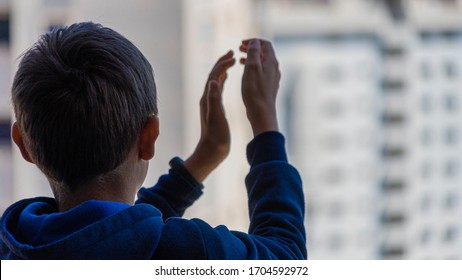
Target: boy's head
[81, 96]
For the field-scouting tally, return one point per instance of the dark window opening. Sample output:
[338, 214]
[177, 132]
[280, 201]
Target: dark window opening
[389, 84]
[392, 152]
[4, 30]
[392, 218]
[392, 252]
[391, 185]
[393, 118]
[5, 134]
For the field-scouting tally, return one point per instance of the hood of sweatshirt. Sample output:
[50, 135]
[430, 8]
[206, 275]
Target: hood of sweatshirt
[34, 229]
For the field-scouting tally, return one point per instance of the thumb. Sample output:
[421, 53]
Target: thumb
[254, 53]
[214, 99]
[214, 94]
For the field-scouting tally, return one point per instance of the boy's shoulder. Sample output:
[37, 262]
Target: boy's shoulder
[34, 229]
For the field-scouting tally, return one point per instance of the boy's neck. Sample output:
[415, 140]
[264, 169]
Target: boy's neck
[67, 200]
[120, 185]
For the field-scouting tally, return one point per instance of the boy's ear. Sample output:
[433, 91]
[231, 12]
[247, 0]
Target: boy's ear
[18, 140]
[148, 138]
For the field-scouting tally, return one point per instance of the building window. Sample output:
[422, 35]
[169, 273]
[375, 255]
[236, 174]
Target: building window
[451, 70]
[426, 136]
[393, 85]
[425, 103]
[393, 218]
[5, 132]
[334, 74]
[335, 210]
[392, 185]
[56, 3]
[452, 102]
[4, 30]
[334, 175]
[391, 152]
[333, 108]
[425, 236]
[451, 201]
[389, 118]
[393, 252]
[450, 234]
[425, 203]
[452, 168]
[335, 242]
[333, 142]
[425, 70]
[426, 169]
[452, 135]
[393, 51]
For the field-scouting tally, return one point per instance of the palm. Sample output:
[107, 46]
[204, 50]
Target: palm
[214, 144]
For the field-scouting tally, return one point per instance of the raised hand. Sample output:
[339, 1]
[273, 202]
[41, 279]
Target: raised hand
[214, 143]
[260, 84]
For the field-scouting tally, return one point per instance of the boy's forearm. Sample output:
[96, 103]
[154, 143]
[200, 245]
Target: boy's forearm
[276, 200]
[200, 166]
[263, 121]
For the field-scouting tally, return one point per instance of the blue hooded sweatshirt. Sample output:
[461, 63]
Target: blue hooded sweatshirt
[153, 227]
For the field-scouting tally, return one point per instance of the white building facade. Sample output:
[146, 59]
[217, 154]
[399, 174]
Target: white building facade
[380, 170]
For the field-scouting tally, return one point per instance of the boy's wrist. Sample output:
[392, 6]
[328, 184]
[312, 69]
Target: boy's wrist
[179, 167]
[263, 121]
[199, 166]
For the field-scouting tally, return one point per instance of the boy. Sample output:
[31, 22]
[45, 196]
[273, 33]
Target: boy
[85, 102]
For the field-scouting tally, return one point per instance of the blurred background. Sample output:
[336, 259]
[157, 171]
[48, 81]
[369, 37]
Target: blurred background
[370, 103]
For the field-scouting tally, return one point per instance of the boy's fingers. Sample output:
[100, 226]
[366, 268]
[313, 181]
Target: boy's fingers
[226, 64]
[253, 53]
[217, 77]
[268, 51]
[229, 54]
[224, 57]
[221, 67]
[267, 55]
[245, 43]
[214, 100]
[222, 78]
[269, 62]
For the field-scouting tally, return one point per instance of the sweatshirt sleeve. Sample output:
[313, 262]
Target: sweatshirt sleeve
[174, 192]
[276, 209]
[276, 200]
